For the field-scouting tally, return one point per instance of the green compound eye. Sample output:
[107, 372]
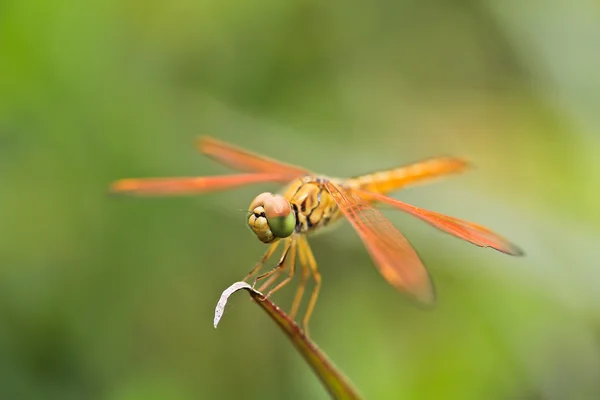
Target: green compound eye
[280, 217]
[282, 227]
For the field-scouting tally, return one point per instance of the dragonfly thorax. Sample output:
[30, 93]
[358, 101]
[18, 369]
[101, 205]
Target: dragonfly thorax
[314, 206]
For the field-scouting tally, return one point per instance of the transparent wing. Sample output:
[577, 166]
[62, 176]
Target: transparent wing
[393, 255]
[244, 160]
[191, 185]
[469, 231]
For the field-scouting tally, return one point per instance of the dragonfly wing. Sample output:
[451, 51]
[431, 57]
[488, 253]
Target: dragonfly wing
[191, 185]
[468, 231]
[244, 160]
[394, 256]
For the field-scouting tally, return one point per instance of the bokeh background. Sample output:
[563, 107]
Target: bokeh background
[112, 298]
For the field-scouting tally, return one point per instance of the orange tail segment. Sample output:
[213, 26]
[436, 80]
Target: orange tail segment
[391, 180]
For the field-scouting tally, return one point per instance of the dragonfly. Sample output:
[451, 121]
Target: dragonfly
[310, 202]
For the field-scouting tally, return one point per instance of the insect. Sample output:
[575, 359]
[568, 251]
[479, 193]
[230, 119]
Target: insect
[311, 202]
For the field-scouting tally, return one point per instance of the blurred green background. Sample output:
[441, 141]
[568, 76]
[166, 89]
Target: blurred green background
[113, 298]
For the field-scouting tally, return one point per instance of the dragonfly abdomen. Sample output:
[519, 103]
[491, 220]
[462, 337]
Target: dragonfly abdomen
[396, 178]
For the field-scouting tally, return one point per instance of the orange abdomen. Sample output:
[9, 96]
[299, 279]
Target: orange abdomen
[390, 180]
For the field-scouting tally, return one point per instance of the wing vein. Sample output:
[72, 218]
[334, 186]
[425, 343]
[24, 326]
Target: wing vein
[391, 252]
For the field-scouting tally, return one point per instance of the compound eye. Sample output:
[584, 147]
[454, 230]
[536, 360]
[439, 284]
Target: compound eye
[259, 201]
[280, 216]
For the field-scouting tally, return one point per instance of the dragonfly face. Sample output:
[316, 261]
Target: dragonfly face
[271, 217]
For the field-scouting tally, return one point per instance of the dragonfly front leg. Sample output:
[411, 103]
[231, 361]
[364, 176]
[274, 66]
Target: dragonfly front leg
[270, 281]
[263, 260]
[291, 274]
[278, 269]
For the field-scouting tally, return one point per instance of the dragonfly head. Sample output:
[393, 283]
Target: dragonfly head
[271, 217]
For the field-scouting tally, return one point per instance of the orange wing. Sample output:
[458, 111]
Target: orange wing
[244, 160]
[397, 261]
[189, 185]
[469, 231]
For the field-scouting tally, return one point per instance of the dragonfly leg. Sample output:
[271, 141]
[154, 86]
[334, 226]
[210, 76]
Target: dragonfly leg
[302, 284]
[278, 269]
[315, 293]
[271, 279]
[292, 270]
[263, 259]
